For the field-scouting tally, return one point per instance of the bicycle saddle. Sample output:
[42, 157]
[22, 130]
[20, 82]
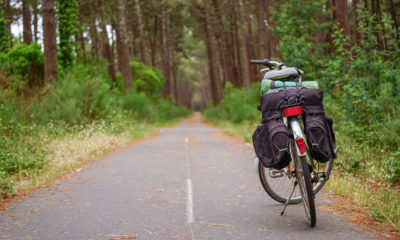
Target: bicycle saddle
[286, 74]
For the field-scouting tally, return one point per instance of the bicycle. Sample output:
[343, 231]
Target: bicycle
[303, 171]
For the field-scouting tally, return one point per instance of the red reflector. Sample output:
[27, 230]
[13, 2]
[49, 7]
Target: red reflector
[288, 112]
[301, 144]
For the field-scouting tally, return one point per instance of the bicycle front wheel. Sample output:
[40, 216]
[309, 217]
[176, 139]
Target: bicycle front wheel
[304, 180]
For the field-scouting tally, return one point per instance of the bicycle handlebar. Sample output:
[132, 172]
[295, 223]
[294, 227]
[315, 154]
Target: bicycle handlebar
[272, 64]
[268, 63]
[265, 62]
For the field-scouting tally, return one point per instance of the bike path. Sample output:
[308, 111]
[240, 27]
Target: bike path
[189, 182]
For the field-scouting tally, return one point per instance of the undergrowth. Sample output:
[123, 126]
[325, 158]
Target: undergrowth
[84, 113]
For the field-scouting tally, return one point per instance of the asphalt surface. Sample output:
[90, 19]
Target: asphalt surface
[189, 182]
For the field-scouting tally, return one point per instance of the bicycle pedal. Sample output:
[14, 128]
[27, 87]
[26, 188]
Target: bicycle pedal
[273, 173]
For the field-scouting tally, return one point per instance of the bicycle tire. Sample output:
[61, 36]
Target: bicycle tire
[307, 191]
[279, 196]
[272, 193]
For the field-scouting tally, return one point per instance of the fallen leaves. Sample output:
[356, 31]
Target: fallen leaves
[216, 224]
[211, 224]
[14, 217]
[124, 181]
[119, 237]
[178, 236]
[250, 187]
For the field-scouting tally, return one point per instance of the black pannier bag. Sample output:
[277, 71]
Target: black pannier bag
[271, 144]
[319, 138]
[318, 127]
[332, 137]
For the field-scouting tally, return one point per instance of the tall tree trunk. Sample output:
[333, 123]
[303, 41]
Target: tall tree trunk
[356, 33]
[3, 33]
[374, 10]
[26, 20]
[165, 48]
[245, 53]
[153, 42]
[237, 53]
[379, 15]
[170, 56]
[82, 39]
[175, 62]
[49, 41]
[341, 14]
[393, 14]
[140, 23]
[35, 8]
[249, 44]
[262, 37]
[133, 29]
[273, 41]
[122, 47]
[223, 45]
[7, 14]
[214, 80]
[330, 6]
[107, 50]
[93, 31]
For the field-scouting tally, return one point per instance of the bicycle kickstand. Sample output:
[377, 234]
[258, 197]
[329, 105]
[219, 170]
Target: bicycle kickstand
[287, 201]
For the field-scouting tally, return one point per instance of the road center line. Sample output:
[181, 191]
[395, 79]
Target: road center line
[189, 201]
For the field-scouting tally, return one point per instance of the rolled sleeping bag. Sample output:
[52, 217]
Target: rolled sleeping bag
[268, 84]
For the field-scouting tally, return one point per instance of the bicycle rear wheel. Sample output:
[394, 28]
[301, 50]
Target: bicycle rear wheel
[279, 183]
[304, 179]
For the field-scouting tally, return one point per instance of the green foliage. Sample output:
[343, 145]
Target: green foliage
[297, 26]
[237, 105]
[146, 79]
[67, 21]
[78, 97]
[151, 110]
[24, 62]
[4, 38]
[365, 83]
[362, 80]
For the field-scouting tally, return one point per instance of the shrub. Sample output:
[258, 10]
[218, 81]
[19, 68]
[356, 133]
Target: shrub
[237, 105]
[26, 62]
[151, 110]
[80, 96]
[139, 105]
[146, 79]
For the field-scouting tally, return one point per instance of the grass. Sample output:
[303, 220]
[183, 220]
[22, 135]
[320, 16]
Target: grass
[67, 151]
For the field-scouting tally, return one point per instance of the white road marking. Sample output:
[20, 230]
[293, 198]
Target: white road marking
[189, 192]
[189, 201]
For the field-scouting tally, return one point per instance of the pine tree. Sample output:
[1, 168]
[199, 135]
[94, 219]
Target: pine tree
[49, 41]
[3, 34]
[67, 17]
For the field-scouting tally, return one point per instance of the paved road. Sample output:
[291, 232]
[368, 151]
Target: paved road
[189, 182]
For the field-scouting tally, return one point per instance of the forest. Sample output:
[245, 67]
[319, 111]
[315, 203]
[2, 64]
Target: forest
[82, 69]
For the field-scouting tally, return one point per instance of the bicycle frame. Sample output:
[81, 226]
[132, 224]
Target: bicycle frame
[291, 120]
[303, 171]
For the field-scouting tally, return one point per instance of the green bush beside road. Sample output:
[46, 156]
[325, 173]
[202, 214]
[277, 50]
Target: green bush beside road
[33, 114]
